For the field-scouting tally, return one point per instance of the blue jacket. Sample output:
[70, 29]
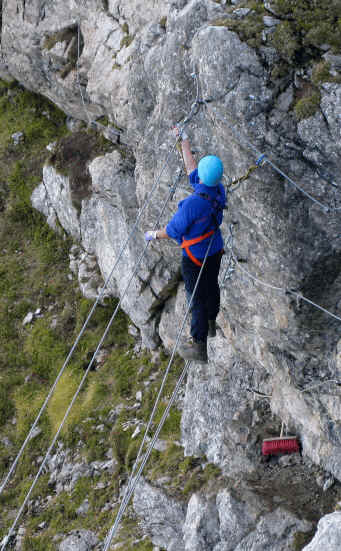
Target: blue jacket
[194, 217]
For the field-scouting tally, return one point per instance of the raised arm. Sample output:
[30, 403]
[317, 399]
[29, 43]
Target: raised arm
[187, 156]
[189, 160]
[190, 165]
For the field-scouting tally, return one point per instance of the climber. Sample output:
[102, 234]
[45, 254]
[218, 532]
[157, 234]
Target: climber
[198, 219]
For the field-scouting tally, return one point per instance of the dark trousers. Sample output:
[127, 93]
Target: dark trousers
[206, 301]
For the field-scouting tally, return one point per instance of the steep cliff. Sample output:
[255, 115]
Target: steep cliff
[269, 75]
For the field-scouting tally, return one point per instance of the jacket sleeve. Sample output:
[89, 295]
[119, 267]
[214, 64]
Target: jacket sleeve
[179, 225]
[193, 178]
[223, 194]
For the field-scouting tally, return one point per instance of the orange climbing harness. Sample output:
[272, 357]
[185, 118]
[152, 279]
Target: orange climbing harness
[188, 242]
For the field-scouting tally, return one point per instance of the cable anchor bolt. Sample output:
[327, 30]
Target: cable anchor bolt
[261, 160]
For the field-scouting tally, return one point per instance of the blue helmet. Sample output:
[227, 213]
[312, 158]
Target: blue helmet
[210, 170]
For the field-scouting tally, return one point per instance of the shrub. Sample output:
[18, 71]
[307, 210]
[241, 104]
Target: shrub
[285, 41]
[314, 23]
[307, 106]
[321, 73]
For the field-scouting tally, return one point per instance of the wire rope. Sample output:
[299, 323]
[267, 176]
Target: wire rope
[42, 466]
[146, 457]
[132, 483]
[188, 118]
[283, 290]
[138, 218]
[264, 159]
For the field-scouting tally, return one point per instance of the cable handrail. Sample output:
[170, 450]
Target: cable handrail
[133, 481]
[106, 283]
[282, 290]
[188, 118]
[263, 157]
[42, 466]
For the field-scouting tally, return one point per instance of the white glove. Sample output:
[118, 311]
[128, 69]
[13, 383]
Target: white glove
[150, 235]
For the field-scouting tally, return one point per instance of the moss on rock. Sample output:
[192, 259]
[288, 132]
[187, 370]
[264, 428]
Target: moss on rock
[69, 37]
[307, 106]
[72, 156]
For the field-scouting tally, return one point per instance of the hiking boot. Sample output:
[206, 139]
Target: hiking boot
[196, 351]
[212, 328]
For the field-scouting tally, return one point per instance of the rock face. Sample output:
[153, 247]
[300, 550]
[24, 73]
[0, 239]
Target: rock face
[328, 534]
[220, 524]
[79, 540]
[273, 354]
[65, 471]
[163, 515]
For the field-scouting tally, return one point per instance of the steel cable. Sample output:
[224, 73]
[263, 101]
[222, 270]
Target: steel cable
[42, 466]
[283, 290]
[241, 138]
[141, 211]
[188, 118]
[146, 457]
[132, 483]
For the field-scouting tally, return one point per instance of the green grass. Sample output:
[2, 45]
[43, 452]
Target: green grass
[301, 539]
[34, 274]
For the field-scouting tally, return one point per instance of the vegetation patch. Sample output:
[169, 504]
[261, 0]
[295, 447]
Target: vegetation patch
[321, 73]
[72, 156]
[314, 23]
[301, 539]
[69, 37]
[303, 27]
[307, 106]
[126, 41]
[34, 276]
[249, 28]
[163, 22]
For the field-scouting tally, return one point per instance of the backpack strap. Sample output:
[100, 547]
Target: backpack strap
[215, 205]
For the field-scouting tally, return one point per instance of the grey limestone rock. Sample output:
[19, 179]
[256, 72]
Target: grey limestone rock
[79, 540]
[201, 527]
[83, 508]
[86, 268]
[328, 535]
[18, 138]
[161, 515]
[270, 21]
[19, 542]
[227, 523]
[276, 531]
[54, 199]
[236, 520]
